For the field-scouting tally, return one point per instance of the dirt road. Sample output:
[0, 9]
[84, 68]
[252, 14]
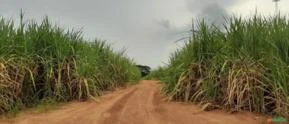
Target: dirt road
[139, 104]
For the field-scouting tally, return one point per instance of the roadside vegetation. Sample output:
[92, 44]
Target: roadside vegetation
[42, 62]
[242, 65]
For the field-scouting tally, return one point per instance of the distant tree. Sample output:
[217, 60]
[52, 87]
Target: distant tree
[144, 69]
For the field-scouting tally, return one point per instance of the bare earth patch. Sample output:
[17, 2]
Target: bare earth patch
[138, 104]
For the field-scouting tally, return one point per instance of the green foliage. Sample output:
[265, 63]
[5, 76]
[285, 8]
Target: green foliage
[243, 65]
[43, 61]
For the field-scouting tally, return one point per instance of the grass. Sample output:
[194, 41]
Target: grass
[41, 61]
[42, 106]
[243, 65]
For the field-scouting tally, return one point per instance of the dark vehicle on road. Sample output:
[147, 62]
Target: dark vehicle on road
[145, 70]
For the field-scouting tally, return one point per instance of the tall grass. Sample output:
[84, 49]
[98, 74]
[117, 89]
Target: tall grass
[243, 65]
[41, 61]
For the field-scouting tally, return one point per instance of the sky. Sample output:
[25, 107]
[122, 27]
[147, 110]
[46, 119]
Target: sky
[149, 30]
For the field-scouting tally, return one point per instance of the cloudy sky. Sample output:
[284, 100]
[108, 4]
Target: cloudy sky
[147, 29]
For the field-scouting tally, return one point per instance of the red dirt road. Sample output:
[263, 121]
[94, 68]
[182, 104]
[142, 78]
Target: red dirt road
[138, 104]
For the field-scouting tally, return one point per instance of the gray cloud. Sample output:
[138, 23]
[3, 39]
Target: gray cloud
[166, 24]
[199, 5]
[213, 11]
[146, 28]
[171, 32]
